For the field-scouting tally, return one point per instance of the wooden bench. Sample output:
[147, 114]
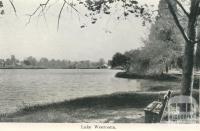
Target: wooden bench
[154, 111]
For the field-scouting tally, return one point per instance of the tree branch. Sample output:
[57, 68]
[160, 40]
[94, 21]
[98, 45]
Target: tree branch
[181, 6]
[172, 11]
[60, 13]
[30, 15]
[72, 6]
[13, 6]
[41, 6]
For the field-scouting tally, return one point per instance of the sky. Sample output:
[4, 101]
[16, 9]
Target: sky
[40, 38]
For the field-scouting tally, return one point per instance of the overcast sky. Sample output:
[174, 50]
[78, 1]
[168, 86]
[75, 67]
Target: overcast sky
[41, 39]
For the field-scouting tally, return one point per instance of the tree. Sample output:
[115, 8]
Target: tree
[190, 41]
[101, 62]
[44, 62]
[164, 43]
[26, 62]
[31, 60]
[197, 56]
[138, 61]
[180, 62]
[120, 60]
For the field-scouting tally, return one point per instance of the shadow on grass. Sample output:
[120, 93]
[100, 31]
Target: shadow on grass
[89, 108]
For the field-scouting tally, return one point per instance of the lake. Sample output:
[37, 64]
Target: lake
[21, 87]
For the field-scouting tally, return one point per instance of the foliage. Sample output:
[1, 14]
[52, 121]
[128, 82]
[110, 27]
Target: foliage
[26, 62]
[139, 63]
[93, 9]
[180, 62]
[164, 44]
[128, 7]
[120, 60]
[51, 63]
[161, 50]
[1, 8]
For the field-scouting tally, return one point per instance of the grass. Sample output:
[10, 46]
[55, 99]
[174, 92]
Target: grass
[116, 100]
[159, 77]
[117, 107]
[98, 108]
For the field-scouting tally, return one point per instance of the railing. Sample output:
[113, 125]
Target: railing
[182, 109]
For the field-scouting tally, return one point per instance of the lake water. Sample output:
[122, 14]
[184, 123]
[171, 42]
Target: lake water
[19, 87]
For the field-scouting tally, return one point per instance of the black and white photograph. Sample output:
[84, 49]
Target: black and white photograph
[100, 61]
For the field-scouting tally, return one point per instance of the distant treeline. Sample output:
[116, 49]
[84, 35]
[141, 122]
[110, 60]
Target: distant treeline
[31, 62]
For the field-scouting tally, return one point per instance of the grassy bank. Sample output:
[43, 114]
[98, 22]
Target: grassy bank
[160, 77]
[117, 108]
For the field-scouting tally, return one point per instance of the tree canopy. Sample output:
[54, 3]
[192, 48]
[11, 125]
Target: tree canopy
[120, 60]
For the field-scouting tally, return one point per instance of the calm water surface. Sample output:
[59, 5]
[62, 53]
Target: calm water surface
[20, 87]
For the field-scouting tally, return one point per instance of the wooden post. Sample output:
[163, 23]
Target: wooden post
[166, 98]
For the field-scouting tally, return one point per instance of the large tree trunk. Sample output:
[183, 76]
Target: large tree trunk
[187, 77]
[197, 55]
[188, 61]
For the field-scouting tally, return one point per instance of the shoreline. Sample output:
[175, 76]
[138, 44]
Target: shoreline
[102, 108]
[53, 68]
[175, 77]
[126, 107]
[158, 77]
